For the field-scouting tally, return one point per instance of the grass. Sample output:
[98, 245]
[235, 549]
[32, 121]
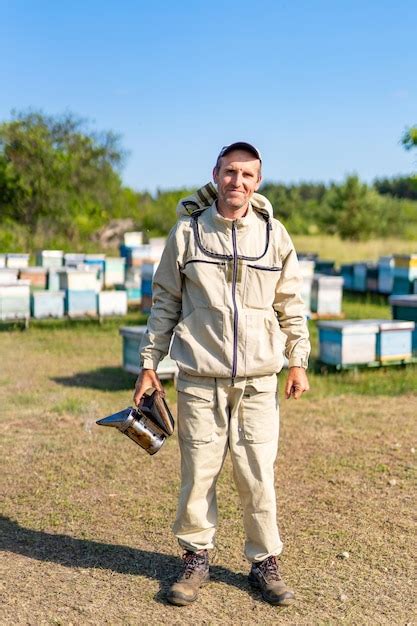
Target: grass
[87, 514]
[332, 247]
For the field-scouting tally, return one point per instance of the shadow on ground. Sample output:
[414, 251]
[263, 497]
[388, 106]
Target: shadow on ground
[73, 552]
[103, 378]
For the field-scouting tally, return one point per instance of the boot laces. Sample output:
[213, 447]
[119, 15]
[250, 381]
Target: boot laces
[192, 562]
[270, 569]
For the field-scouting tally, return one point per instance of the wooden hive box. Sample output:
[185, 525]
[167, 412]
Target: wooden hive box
[17, 260]
[80, 303]
[78, 279]
[132, 337]
[385, 274]
[73, 259]
[15, 301]
[133, 239]
[326, 294]
[114, 271]
[8, 276]
[47, 304]
[405, 308]
[346, 271]
[405, 272]
[323, 266]
[50, 258]
[133, 292]
[372, 278]
[36, 275]
[359, 276]
[394, 340]
[346, 343]
[111, 303]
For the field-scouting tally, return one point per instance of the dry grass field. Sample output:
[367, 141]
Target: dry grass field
[86, 513]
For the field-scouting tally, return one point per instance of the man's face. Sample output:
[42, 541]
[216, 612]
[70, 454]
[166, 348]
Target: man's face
[237, 179]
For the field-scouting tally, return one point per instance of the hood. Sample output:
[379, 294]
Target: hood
[205, 196]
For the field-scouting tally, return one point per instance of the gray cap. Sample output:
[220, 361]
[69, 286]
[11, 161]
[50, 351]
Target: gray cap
[240, 145]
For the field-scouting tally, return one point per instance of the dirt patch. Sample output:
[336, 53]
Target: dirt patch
[87, 514]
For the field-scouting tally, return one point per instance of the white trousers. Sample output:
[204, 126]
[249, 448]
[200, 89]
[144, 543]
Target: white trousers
[214, 416]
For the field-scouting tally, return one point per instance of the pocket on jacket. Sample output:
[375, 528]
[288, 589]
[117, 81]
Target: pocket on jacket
[259, 414]
[196, 412]
[265, 343]
[260, 285]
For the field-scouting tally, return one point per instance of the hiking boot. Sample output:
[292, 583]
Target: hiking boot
[195, 574]
[265, 576]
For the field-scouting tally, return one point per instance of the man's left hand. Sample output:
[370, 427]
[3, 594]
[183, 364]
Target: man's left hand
[297, 383]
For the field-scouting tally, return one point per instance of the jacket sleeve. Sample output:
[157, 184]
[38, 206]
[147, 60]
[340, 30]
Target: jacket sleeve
[166, 301]
[290, 308]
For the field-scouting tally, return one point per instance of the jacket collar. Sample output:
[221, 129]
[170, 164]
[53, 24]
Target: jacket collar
[225, 223]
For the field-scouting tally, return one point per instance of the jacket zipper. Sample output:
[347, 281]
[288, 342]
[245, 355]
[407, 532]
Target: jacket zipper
[235, 312]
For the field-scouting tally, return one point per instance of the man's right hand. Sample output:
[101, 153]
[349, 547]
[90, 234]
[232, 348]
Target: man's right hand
[146, 379]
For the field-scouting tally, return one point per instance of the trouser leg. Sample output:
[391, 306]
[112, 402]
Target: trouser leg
[202, 434]
[253, 442]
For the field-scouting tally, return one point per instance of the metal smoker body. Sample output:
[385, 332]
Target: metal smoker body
[148, 425]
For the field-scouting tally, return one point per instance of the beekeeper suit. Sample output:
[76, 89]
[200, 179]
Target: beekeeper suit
[227, 293]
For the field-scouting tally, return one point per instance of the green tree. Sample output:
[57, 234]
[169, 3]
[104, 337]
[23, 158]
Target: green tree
[351, 210]
[54, 171]
[409, 138]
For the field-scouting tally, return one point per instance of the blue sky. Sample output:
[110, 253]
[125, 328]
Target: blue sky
[323, 88]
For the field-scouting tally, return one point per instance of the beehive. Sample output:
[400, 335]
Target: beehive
[359, 276]
[2, 260]
[73, 259]
[111, 303]
[17, 260]
[37, 276]
[15, 301]
[8, 276]
[405, 308]
[385, 274]
[372, 278]
[50, 258]
[405, 272]
[346, 271]
[133, 239]
[349, 342]
[326, 295]
[114, 271]
[47, 304]
[132, 337]
[394, 340]
[323, 266]
[78, 280]
[80, 303]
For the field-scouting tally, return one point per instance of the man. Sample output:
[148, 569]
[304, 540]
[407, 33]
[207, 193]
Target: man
[228, 289]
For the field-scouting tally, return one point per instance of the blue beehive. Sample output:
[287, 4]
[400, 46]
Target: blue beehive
[385, 274]
[394, 340]
[346, 271]
[349, 342]
[372, 277]
[132, 337]
[80, 303]
[47, 304]
[405, 308]
[359, 276]
[405, 272]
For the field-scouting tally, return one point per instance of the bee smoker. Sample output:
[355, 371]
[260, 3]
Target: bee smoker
[148, 425]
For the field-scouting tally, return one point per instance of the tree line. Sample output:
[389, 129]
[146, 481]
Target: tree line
[60, 184]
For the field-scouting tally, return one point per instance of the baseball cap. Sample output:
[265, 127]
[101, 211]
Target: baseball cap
[240, 145]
